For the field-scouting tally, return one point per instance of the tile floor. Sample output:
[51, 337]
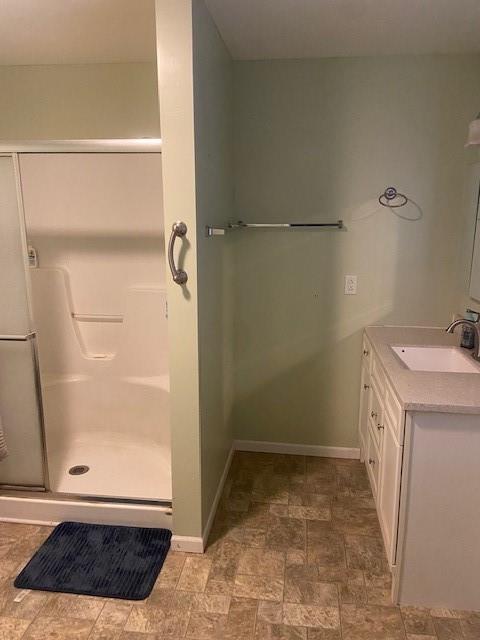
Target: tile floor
[295, 554]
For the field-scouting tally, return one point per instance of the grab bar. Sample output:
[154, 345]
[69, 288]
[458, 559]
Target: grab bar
[18, 338]
[96, 317]
[179, 230]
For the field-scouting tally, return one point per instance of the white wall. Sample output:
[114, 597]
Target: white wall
[175, 86]
[78, 101]
[320, 140]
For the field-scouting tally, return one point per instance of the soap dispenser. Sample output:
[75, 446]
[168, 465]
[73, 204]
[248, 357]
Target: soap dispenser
[468, 334]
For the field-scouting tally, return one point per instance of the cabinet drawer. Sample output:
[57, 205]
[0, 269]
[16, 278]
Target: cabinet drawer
[367, 354]
[378, 375]
[394, 411]
[376, 413]
[372, 462]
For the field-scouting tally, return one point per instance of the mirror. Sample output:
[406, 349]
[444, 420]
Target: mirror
[474, 205]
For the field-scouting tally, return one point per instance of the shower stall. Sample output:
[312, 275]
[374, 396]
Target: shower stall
[84, 374]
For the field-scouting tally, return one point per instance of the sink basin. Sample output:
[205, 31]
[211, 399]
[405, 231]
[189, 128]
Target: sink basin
[446, 359]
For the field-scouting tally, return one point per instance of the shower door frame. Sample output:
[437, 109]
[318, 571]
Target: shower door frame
[30, 337]
[13, 148]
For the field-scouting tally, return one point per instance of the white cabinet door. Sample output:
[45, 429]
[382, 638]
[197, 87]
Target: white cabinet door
[363, 414]
[372, 462]
[389, 489]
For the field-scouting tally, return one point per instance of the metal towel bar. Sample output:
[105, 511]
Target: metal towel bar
[220, 231]
[286, 225]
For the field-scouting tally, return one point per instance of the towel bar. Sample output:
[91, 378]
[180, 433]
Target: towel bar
[306, 226]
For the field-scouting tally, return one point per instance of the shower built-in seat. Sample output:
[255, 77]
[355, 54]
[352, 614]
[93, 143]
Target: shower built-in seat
[108, 411]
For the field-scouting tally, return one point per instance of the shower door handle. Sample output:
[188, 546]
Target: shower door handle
[179, 230]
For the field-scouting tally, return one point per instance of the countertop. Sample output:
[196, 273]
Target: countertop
[425, 390]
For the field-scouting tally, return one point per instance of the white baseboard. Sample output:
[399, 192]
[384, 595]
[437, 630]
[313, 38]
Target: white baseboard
[188, 544]
[191, 544]
[218, 495]
[297, 449]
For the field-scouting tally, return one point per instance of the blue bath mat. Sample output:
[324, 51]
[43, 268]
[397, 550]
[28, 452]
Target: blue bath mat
[98, 560]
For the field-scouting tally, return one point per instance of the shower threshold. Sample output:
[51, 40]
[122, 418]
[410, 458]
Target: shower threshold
[50, 508]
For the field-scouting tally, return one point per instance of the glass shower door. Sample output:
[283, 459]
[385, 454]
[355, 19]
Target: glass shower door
[20, 403]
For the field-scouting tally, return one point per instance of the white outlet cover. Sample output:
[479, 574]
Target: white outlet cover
[350, 285]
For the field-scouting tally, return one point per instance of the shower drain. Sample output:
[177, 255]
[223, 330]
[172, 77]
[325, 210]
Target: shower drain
[78, 470]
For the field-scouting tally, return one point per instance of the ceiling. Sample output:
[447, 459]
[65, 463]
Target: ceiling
[264, 29]
[76, 31]
[88, 31]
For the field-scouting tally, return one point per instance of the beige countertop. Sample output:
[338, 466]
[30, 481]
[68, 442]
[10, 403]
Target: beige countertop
[425, 390]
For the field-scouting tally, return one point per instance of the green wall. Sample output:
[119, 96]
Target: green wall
[320, 140]
[213, 87]
[78, 101]
[195, 88]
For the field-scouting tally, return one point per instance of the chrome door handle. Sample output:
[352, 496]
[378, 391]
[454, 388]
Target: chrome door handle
[179, 230]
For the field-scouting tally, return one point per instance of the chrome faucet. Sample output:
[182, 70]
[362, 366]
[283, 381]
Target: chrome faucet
[474, 325]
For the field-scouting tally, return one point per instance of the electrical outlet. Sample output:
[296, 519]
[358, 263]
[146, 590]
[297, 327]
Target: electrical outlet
[350, 285]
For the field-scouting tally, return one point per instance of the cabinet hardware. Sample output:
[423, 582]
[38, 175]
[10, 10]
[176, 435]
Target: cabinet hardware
[371, 461]
[366, 386]
[366, 352]
[380, 427]
[373, 414]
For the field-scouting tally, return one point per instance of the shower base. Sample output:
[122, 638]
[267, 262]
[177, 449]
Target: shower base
[119, 469]
[49, 509]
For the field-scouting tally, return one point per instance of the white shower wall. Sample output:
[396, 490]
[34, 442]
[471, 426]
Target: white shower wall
[99, 303]
[99, 217]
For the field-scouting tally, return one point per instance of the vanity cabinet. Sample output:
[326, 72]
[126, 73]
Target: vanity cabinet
[381, 447]
[420, 441]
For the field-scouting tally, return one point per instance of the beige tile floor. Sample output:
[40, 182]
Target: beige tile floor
[295, 554]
